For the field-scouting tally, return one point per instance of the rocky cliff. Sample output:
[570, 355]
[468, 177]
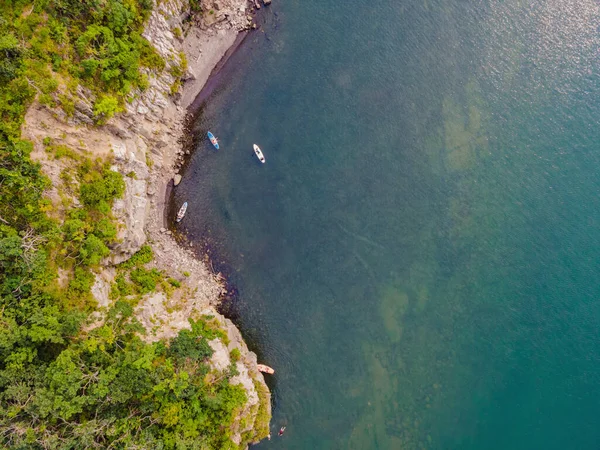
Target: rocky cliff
[143, 145]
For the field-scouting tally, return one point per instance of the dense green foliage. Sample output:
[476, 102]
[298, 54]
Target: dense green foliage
[47, 44]
[110, 388]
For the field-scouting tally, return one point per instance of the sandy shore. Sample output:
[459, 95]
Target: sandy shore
[203, 54]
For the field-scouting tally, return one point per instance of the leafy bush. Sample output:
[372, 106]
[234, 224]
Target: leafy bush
[112, 377]
[90, 42]
[145, 280]
[188, 345]
[235, 355]
[105, 108]
[143, 256]
[99, 189]
[93, 250]
[123, 287]
[105, 229]
[81, 283]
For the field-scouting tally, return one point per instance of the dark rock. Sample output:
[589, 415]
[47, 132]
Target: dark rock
[118, 131]
[82, 117]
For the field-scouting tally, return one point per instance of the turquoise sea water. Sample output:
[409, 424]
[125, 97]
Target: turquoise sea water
[419, 258]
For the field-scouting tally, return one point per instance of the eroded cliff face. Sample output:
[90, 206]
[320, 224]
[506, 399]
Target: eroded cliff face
[143, 143]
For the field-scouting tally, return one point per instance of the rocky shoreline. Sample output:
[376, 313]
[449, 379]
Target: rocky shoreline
[145, 144]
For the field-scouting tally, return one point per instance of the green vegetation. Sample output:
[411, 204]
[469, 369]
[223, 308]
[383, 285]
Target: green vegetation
[48, 48]
[66, 384]
[235, 355]
[110, 389]
[63, 387]
[106, 107]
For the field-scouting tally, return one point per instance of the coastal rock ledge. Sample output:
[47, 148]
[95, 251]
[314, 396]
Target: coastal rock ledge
[142, 143]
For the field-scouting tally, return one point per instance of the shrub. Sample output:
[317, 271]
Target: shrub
[189, 345]
[101, 189]
[74, 230]
[145, 280]
[105, 229]
[81, 283]
[122, 286]
[143, 256]
[93, 250]
[106, 107]
[235, 355]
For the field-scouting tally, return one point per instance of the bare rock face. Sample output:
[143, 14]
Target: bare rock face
[131, 210]
[101, 287]
[224, 13]
[220, 358]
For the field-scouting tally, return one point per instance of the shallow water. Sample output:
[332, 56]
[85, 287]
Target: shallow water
[418, 257]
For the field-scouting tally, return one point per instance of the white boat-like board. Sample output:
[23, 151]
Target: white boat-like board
[182, 211]
[259, 153]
